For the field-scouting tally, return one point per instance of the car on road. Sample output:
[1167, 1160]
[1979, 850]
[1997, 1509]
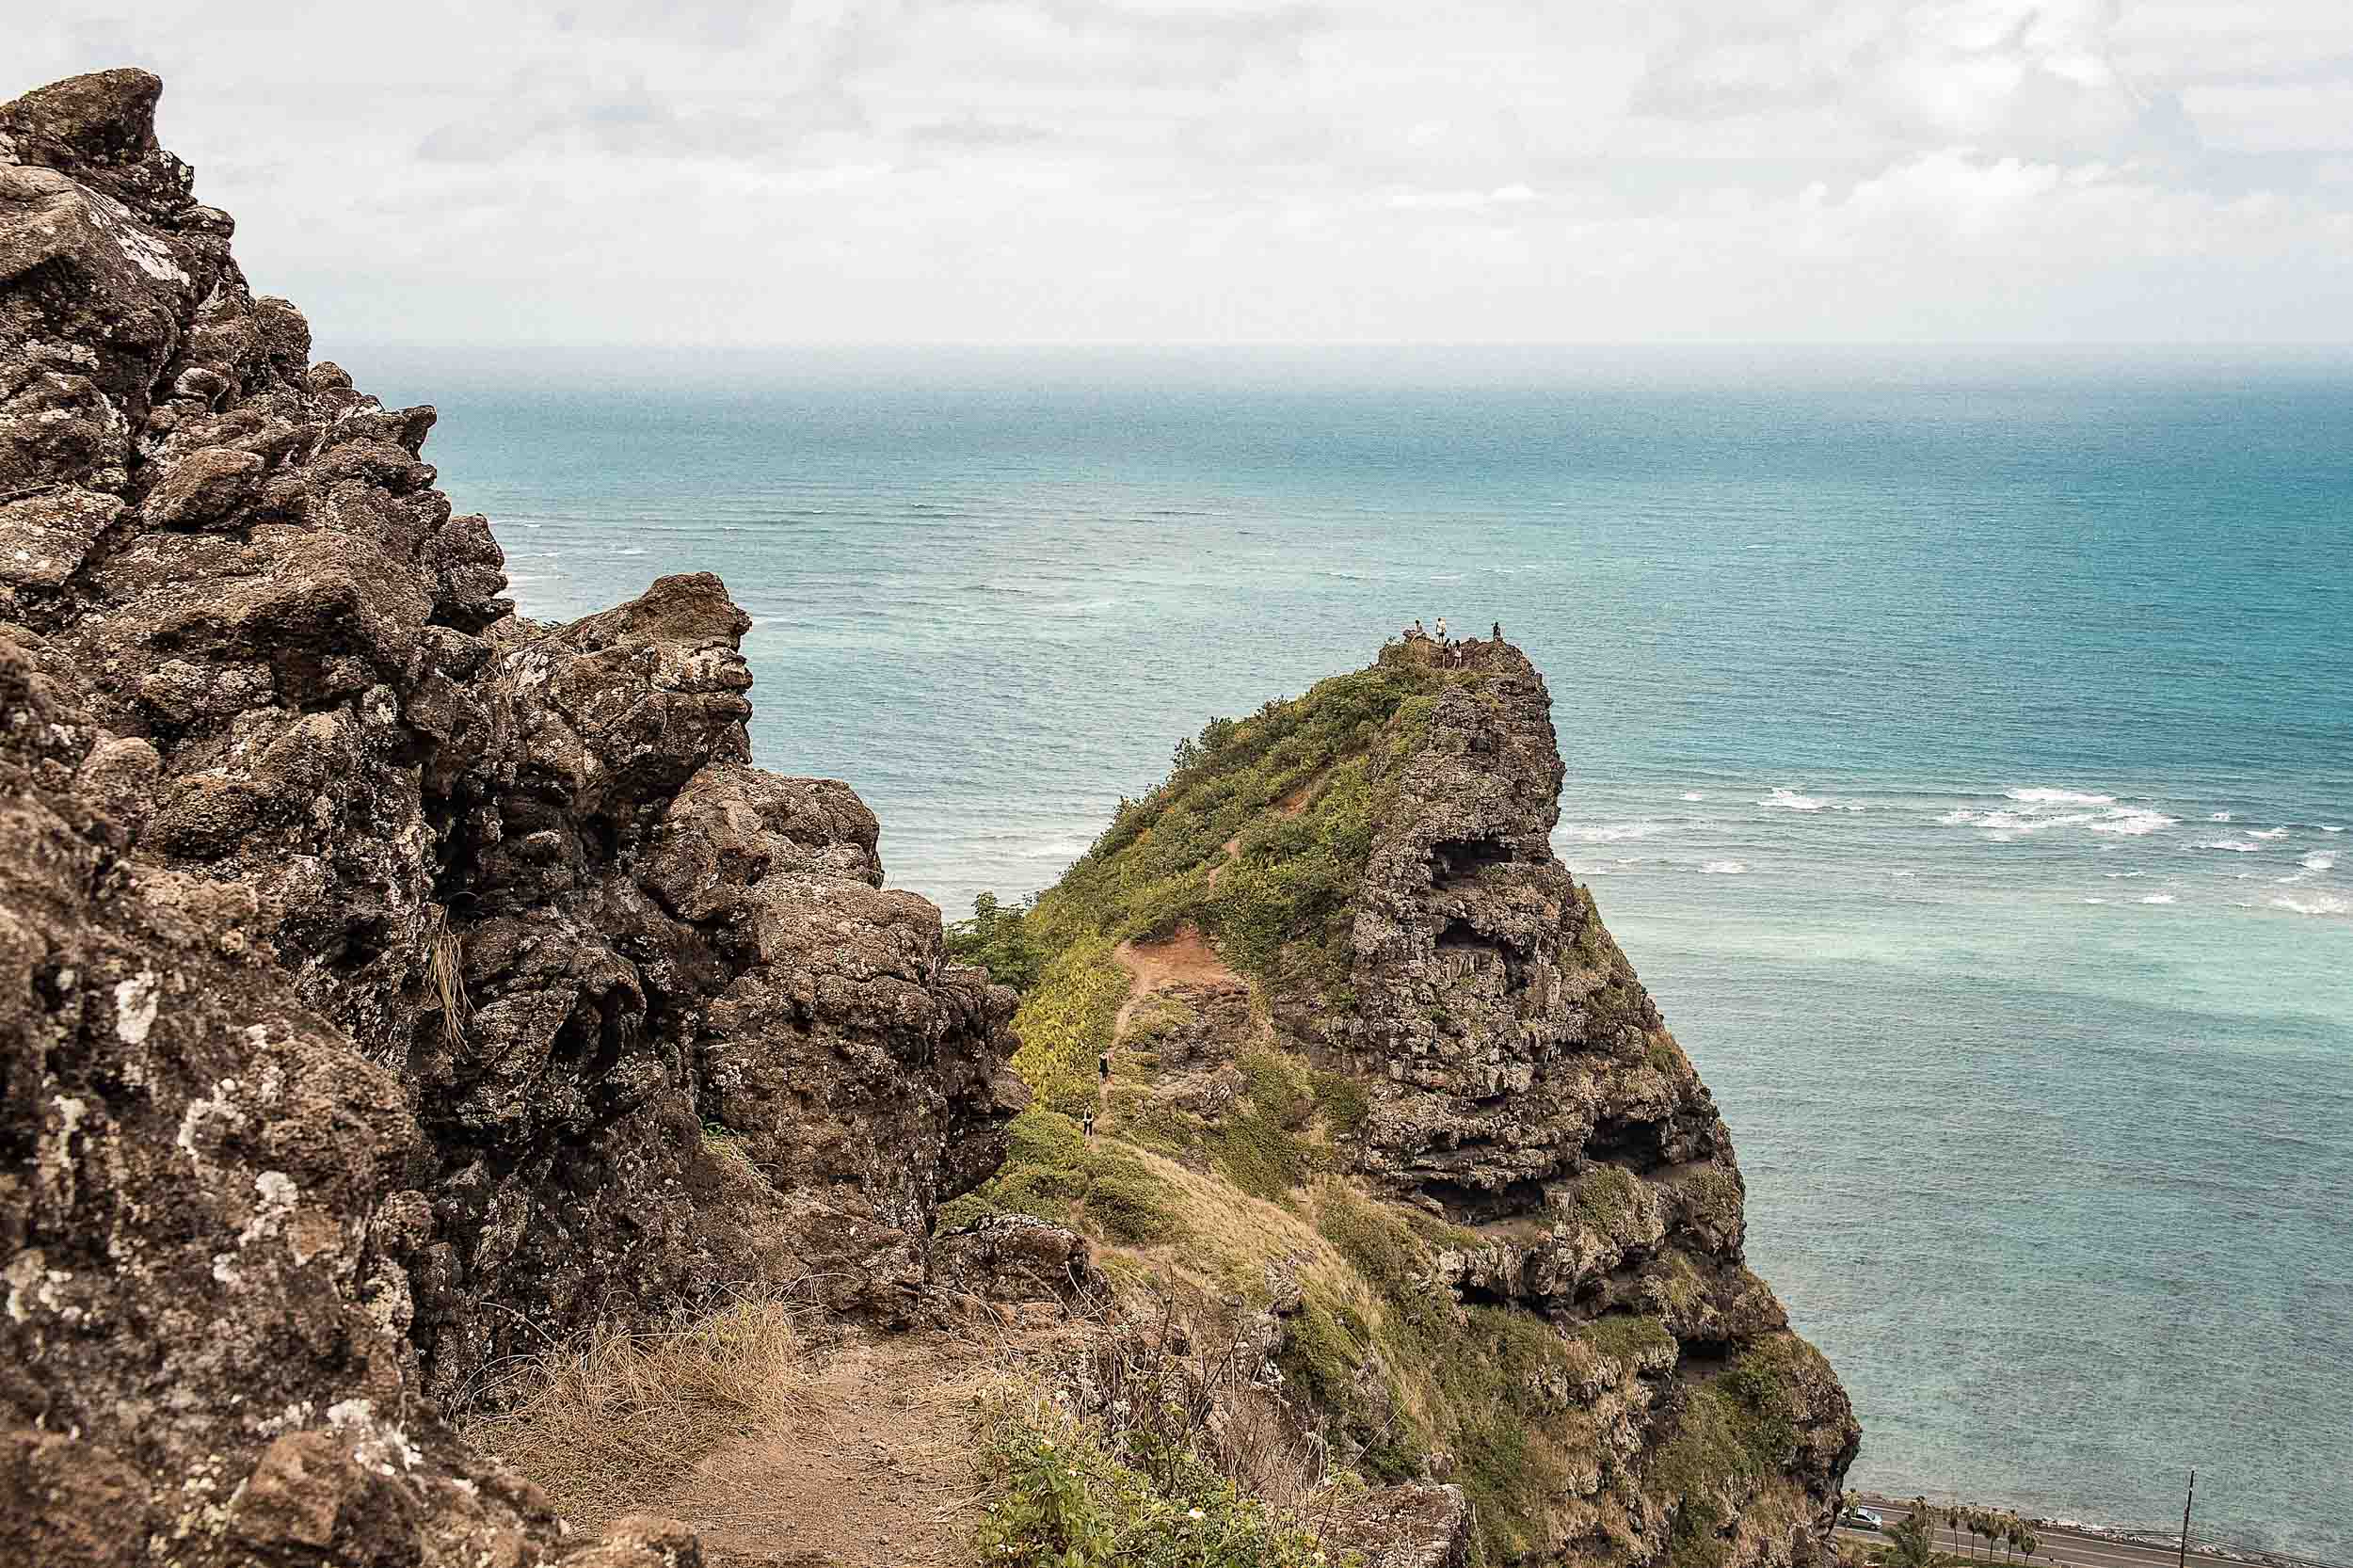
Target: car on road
[1862, 1519]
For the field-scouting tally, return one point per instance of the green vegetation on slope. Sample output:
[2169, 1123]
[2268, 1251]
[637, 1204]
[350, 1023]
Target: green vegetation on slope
[1221, 1172]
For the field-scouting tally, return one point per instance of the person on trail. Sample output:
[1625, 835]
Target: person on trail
[1103, 1066]
[1090, 1124]
[1442, 632]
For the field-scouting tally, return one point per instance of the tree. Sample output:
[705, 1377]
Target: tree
[1912, 1540]
[996, 939]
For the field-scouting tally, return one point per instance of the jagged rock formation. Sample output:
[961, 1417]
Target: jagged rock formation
[1524, 1088]
[1531, 1277]
[391, 983]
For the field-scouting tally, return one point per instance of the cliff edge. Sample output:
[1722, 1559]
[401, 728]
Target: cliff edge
[1379, 1073]
[393, 984]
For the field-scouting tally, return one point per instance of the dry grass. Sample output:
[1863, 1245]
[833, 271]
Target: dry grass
[444, 970]
[620, 1418]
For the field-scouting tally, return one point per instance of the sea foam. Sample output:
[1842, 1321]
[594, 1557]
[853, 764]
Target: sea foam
[2132, 820]
[1724, 868]
[2058, 797]
[2315, 904]
[1607, 833]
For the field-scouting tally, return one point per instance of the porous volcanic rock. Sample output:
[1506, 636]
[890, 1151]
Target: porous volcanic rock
[1524, 1088]
[391, 983]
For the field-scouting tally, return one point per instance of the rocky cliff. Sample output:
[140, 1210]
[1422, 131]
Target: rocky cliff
[1385, 1078]
[391, 983]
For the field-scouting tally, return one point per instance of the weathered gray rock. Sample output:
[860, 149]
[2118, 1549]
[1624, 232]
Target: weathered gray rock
[391, 984]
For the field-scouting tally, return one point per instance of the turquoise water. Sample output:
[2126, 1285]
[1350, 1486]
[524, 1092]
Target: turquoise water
[1962, 750]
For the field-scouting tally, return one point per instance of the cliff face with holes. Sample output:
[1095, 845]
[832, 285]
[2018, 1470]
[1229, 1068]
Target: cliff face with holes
[390, 984]
[1525, 1094]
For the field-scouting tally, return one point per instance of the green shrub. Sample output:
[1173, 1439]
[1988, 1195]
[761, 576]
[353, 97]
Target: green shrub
[1061, 1497]
[997, 939]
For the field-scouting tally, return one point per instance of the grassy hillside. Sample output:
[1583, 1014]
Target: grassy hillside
[1221, 1166]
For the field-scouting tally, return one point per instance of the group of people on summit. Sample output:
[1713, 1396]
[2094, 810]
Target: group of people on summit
[1450, 652]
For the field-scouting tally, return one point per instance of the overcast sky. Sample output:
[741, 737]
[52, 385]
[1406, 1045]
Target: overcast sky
[620, 172]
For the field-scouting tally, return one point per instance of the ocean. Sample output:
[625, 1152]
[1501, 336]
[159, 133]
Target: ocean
[1960, 746]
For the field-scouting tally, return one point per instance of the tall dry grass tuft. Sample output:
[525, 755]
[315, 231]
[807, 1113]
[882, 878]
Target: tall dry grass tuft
[611, 1423]
[444, 970]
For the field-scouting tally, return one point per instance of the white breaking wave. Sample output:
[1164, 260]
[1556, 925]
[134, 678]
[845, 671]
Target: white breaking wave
[2219, 816]
[1607, 833]
[2160, 898]
[1903, 874]
[2095, 901]
[2266, 832]
[1694, 795]
[2319, 861]
[2236, 846]
[2132, 820]
[1724, 867]
[2123, 874]
[2058, 797]
[2318, 904]
[2326, 827]
[1794, 801]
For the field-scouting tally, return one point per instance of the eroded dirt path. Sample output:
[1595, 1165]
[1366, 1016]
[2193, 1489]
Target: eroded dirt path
[875, 1472]
[1184, 959]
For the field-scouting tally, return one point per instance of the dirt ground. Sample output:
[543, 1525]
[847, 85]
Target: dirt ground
[876, 1471]
[1183, 959]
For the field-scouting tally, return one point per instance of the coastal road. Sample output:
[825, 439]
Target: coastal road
[2051, 1545]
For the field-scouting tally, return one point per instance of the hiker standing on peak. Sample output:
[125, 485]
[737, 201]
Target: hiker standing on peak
[1442, 632]
[1498, 632]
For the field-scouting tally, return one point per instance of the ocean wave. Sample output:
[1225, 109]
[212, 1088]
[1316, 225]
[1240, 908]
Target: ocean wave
[2319, 861]
[2160, 898]
[1903, 874]
[2132, 822]
[2317, 904]
[2095, 901]
[1793, 800]
[2326, 827]
[2236, 846]
[1694, 795]
[2058, 797]
[2123, 874]
[2265, 832]
[2219, 816]
[1724, 867]
[1607, 833]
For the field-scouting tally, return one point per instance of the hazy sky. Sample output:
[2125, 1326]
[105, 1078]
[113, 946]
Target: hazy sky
[618, 171]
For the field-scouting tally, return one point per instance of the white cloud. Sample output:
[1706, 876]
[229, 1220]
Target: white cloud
[1205, 170]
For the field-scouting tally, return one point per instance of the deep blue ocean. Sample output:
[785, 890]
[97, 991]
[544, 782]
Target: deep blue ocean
[1962, 747]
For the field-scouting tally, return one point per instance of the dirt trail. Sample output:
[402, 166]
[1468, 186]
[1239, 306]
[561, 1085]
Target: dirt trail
[876, 1472]
[1183, 959]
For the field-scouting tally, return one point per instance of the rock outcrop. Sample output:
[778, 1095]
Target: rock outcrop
[1530, 1278]
[391, 983]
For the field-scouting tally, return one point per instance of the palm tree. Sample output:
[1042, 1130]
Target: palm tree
[1912, 1540]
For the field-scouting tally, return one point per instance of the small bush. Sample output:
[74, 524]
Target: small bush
[1064, 1497]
